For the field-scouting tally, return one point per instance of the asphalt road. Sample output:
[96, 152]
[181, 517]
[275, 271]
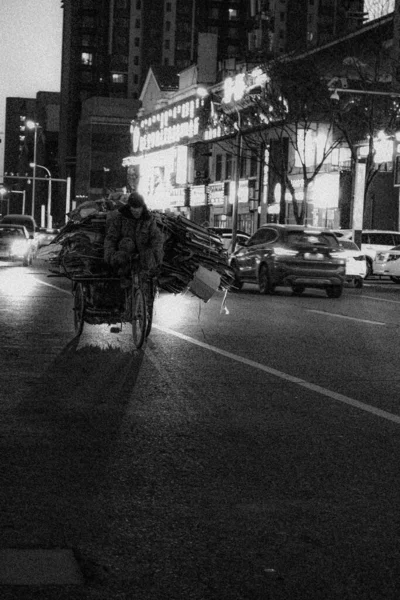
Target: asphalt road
[245, 454]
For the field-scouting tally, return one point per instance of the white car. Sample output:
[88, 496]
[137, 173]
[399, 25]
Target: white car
[387, 262]
[372, 242]
[226, 237]
[16, 244]
[356, 262]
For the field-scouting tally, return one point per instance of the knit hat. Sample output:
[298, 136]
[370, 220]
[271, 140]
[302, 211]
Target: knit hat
[136, 200]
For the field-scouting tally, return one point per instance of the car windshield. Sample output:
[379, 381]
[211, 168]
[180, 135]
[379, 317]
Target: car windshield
[311, 238]
[10, 232]
[348, 245]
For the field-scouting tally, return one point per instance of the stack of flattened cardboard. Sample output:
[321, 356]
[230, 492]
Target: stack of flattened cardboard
[194, 259]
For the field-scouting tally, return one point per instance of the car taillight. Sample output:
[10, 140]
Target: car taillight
[285, 252]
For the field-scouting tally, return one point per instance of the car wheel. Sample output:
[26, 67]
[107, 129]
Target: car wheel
[264, 281]
[358, 283]
[334, 291]
[298, 290]
[395, 279]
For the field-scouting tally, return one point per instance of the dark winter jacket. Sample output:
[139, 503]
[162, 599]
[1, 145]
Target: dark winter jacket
[142, 235]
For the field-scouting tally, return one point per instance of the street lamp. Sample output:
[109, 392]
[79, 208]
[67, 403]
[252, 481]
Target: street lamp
[34, 166]
[35, 126]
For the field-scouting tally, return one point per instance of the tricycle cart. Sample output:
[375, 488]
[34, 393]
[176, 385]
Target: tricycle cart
[112, 300]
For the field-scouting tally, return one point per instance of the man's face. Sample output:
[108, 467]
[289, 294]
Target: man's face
[136, 211]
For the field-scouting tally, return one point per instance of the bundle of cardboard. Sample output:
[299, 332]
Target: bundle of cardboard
[194, 258]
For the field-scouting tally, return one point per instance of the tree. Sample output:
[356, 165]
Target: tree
[298, 113]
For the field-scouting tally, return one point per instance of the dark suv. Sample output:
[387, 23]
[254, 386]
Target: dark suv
[291, 255]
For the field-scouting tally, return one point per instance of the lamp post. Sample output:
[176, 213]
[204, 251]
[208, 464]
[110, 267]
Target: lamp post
[238, 165]
[34, 126]
[34, 166]
[3, 192]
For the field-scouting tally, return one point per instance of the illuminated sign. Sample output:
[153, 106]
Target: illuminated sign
[168, 126]
[197, 195]
[242, 83]
[216, 193]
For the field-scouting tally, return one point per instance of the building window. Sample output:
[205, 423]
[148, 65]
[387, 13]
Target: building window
[233, 14]
[168, 7]
[166, 44]
[138, 5]
[86, 40]
[167, 26]
[87, 58]
[137, 24]
[137, 42]
[136, 79]
[135, 60]
[117, 77]
[166, 62]
[87, 22]
[122, 4]
[218, 167]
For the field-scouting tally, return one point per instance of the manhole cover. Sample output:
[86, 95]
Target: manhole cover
[39, 567]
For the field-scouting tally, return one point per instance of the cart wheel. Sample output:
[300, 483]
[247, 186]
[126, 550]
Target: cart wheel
[139, 318]
[150, 304]
[79, 308]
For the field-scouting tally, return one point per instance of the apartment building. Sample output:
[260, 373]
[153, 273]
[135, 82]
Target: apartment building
[110, 45]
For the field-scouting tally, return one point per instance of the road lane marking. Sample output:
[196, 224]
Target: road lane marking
[286, 377]
[53, 286]
[323, 312]
[381, 299]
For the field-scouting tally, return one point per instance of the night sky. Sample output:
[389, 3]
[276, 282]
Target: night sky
[30, 52]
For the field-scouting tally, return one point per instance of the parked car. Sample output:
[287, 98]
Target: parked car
[356, 262]
[29, 223]
[372, 241]
[291, 255]
[388, 263]
[45, 236]
[225, 234]
[16, 244]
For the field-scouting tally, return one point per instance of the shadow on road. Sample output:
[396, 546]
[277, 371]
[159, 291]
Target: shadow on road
[61, 440]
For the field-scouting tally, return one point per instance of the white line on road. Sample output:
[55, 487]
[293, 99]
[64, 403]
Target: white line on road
[323, 312]
[296, 380]
[53, 286]
[381, 299]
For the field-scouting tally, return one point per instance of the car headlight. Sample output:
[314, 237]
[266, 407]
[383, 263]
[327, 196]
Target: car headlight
[18, 247]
